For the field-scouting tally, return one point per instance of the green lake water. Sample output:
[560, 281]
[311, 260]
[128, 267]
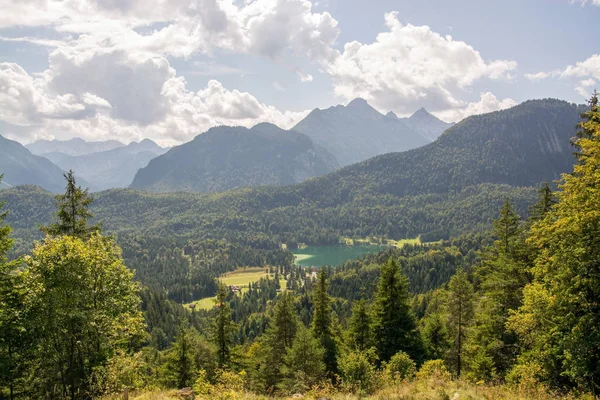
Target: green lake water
[318, 256]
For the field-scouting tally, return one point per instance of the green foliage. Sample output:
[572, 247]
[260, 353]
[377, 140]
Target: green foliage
[304, 366]
[559, 321]
[223, 327]
[433, 369]
[84, 306]
[460, 316]
[322, 322]
[400, 367]
[394, 326]
[361, 337]
[357, 371]
[502, 275]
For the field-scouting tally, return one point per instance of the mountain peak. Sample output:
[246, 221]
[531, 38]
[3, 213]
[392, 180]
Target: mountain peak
[358, 102]
[422, 112]
[391, 114]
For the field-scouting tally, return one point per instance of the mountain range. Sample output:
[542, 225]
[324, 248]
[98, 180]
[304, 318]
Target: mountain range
[449, 187]
[72, 147]
[229, 157]
[20, 167]
[108, 169]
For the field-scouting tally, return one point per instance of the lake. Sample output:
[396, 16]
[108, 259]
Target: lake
[318, 256]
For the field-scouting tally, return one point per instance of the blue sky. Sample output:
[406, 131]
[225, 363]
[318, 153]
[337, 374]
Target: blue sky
[170, 69]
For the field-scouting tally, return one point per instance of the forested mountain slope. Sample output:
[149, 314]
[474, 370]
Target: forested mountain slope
[229, 157]
[20, 167]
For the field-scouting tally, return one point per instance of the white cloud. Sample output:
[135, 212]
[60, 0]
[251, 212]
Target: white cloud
[411, 66]
[487, 103]
[587, 72]
[538, 76]
[304, 77]
[585, 2]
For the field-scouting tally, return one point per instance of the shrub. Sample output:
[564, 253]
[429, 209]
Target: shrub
[357, 372]
[400, 367]
[434, 369]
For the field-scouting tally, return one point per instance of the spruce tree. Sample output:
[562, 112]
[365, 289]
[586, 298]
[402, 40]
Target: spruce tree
[304, 366]
[73, 212]
[461, 311]
[223, 327]
[394, 326]
[278, 338]
[502, 275]
[322, 322]
[360, 327]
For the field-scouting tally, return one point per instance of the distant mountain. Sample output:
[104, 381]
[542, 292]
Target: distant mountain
[21, 167]
[422, 121]
[229, 157]
[110, 169]
[521, 146]
[73, 147]
[356, 132]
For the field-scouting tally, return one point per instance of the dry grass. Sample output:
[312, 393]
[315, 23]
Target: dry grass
[416, 390]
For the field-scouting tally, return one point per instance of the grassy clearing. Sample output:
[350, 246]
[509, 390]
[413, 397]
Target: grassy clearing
[242, 278]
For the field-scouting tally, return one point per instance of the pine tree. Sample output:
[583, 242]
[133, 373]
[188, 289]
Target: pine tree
[546, 199]
[360, 327]
[461, 311]
[394, 327]
[322, 322]
[223, 327]
[73, 212]
[559, 322]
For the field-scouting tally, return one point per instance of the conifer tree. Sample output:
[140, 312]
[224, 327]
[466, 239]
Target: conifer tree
[502, 275]
[360, 327]
[180, 366]
[223, 327]
[278, 338]
[322, 321]
[73, 212]
[461, 309]
[559, 322]
[304, 366]
[394, 326]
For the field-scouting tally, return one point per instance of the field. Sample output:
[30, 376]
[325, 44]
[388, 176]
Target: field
[241, 278]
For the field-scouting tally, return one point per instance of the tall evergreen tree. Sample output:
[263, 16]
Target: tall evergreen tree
[461, 309]
[546, 199]
[322, 322]
[223, 327]
[361, 337]
[73, 212]
[394, 326]
[502, 275]
[278, 338]
[304, 366]
[560, 320]
[180, 366]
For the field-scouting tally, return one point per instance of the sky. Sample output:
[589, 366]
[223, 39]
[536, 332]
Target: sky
[169, 70]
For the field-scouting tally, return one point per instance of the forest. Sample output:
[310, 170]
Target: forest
[91, 305]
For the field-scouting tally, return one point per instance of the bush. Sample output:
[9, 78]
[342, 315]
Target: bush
[357, 371]
[434, 369]
[400, 367]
